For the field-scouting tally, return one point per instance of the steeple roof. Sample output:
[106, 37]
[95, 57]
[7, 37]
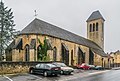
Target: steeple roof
[95, 15]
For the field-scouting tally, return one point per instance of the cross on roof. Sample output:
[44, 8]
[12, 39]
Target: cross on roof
[35, 14]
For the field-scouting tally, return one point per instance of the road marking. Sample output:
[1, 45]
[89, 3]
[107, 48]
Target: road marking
[98, 72]
[8, 78]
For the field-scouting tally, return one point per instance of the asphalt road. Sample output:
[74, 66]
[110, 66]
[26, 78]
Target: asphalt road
[90, 75]
[113, 75]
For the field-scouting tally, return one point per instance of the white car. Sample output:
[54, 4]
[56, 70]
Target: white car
[64, 68]
[92, 67]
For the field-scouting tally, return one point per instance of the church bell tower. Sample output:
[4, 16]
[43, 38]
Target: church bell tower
[95, 28]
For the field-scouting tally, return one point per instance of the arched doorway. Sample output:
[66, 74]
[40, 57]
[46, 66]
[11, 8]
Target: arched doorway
[113, 62]
[27, 51]
[104, 64]
[54, 54]
[108, 63]
[102, 61]
[91, 57]
[39, 53]
[81, 56]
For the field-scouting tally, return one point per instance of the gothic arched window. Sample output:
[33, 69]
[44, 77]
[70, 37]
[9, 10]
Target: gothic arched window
[39, 56]
[72, 60]
[27, 51]
[54, 54]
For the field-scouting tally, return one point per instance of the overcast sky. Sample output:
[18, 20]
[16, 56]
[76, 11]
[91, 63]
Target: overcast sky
[70, 15]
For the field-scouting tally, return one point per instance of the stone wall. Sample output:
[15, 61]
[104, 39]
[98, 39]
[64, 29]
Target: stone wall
[16, 67]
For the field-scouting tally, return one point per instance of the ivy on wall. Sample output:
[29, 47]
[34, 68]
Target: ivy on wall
[42, 52]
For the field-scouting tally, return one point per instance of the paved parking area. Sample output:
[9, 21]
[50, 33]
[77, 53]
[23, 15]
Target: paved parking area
[2, 78]
[34, 77]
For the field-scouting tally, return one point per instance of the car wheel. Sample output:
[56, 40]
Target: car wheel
[31, 71]
[45, 74]
[69, 73]
[56, 74]
[61, 72]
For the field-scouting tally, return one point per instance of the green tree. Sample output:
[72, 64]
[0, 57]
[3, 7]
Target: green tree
[42, 52]
[7, 32]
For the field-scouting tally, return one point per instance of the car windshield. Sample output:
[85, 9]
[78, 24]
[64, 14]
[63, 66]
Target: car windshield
[37, 66]
[60, 64]
[98, 66]
[91, 65]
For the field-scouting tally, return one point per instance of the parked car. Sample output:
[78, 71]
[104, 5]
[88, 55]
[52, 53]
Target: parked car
[92, 67]
[99, 68]
[45, 69]
[64, 68]
[84, 66]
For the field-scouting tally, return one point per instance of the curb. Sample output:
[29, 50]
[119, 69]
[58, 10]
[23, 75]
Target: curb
[117, 68]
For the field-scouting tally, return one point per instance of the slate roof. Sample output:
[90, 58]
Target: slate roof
[40, 27]
[95, 15]
[18, 45]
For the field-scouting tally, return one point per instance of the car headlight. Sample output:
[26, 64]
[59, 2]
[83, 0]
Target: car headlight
[68, 70]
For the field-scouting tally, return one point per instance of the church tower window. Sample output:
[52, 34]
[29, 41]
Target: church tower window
[93, 26]
[96, 26]
[90, 27]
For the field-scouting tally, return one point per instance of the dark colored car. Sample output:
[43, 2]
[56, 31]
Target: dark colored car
[45, 69]
[92, 67]
[99, 68]
[64, 68]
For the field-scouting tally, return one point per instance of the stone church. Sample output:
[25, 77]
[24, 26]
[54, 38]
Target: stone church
[65, 46]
